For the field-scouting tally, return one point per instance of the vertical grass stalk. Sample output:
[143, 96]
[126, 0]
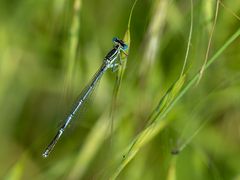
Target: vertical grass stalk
[161, 111]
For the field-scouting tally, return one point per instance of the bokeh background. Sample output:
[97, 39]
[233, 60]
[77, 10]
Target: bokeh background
[50, 49]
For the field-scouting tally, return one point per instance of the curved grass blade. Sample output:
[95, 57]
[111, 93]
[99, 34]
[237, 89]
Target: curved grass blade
[121, 70]
[166, 104]
[189, 40]
[154, 126]
[209, 43]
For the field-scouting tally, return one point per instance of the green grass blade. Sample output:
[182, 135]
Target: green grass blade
[127, 40]
[98, 134]
[73, 41]
[121, 70]
[167, 103]
[189, 40]
[153, 36]
[209, 42]
[154, 127]
[92, 144]
[172, 170]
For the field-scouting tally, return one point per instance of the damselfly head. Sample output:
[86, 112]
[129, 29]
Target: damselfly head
[115, 39]
[121, 43]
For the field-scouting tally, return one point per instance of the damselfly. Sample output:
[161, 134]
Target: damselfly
[110, 61]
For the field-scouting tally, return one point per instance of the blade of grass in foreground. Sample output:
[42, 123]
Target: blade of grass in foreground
[189, 41]
[165, 105]
[153, 127]
[209, 43]
[121, 70]
[127, 40]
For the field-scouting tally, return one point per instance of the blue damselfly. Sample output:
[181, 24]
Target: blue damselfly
[110, 62]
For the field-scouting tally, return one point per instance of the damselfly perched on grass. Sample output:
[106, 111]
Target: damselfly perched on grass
[111, 61]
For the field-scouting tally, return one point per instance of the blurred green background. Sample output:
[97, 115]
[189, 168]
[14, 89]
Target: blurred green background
[50, 49]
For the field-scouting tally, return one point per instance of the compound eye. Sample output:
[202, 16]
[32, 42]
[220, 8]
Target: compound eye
[115, 40]
[125, 47]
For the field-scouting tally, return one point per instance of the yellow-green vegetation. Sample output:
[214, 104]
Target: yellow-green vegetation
[171, 111]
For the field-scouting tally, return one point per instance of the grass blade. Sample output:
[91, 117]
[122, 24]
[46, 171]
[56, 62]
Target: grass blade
[73, 41]
[166, 104]
[121, 70]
